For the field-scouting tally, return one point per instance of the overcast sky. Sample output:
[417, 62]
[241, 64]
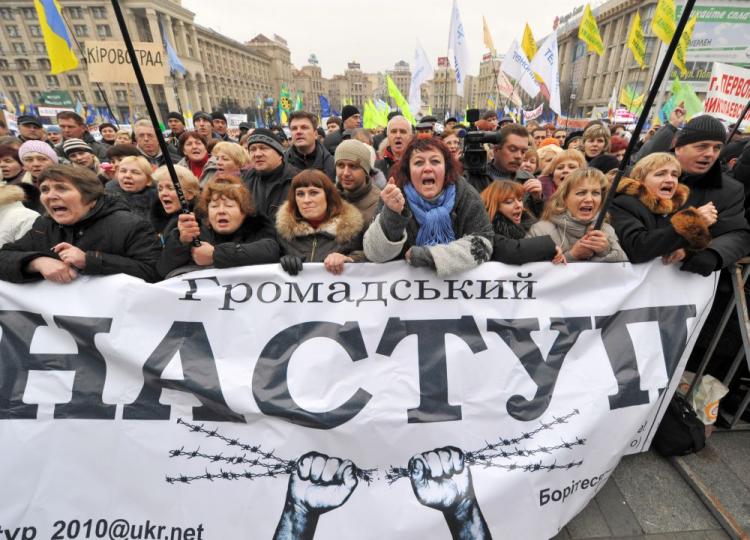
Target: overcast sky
[376, 33]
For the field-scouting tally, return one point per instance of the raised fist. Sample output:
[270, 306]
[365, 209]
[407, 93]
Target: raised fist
[321, 483]
[440, 478]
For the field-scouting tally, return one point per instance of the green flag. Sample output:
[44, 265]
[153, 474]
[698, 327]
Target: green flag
[401, 103]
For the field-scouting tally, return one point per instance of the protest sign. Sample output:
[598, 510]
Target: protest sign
[109, 61]
[384, 403]
[728, 93]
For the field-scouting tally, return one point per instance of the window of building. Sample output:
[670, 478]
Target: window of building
[30, 80]
[15, 95]
[74, 80]
[80, 95]
[80, 30]
[44, 64]
[22, 64]
[98, 12]
[28, 13]
[121, 95]
[103, 30]
[35, 30]
[98, 95]
[36, 95]
[52, 81]
[9, 80]
[39, 47]
[12, 30]
[6, 14]
[3, 64]
[75, 12]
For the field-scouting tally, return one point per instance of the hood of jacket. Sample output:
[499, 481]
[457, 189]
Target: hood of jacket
[10, 194]
[344, 227]
[655, 205]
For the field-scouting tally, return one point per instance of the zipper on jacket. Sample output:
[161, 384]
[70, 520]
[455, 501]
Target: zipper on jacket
[315, 243]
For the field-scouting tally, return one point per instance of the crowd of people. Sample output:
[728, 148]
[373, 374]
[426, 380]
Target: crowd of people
[339, 194]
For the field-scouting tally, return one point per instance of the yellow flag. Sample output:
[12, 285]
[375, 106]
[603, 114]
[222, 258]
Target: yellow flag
[401, 103]
[57, 39]
[663, 24]
[636, 42]
[588, 32]
[528, 43]
[488, 37]
[682, 46]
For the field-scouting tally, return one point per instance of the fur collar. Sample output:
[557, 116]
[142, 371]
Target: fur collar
[344, 227]
[10, 194]
[628, 186]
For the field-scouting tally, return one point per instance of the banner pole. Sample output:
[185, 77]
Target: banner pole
[151, 111]
[737, 124]
[666, 62]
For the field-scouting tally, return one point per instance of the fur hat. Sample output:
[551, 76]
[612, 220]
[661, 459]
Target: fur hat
[701, 128]
[37, 147]
[354, 150]
[71, 146]
[267, 137]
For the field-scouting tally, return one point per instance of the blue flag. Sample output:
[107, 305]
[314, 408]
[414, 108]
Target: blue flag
[175, 64]
[325, 107]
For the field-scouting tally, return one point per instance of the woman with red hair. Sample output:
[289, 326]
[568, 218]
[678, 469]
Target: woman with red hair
[430, 216]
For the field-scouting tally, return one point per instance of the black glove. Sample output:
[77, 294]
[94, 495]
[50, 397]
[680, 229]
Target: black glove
[420, 256]
[703, 262]
[291, 264]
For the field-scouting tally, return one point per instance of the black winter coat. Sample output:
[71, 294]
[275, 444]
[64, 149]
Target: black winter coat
[140, 203]
[115, 241]
[321, 159]
[512, 249]
[731, 233]
[253, 243]
[269, 191]
[649, 228]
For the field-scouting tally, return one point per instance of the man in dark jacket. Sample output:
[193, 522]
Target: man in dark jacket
[176, 124]
[399, 134]
[507, 157]
[73, 127]
[351, 119]
[148, 144]
[306, 152]
[219, 124]
[30, 128]
[270, 176]
[697, 148]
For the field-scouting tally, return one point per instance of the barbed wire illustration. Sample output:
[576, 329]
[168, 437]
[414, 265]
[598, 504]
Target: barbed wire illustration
[261, 463]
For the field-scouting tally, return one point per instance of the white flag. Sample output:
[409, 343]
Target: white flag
[458, 47]
[422, 72]
[546, 65]
[516, 65]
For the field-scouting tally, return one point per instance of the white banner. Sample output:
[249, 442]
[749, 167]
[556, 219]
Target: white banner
[533, 114]
[728, 93]
[52, 111]
[383, 403]
[234, 120]
[516, 65]
[545, 64]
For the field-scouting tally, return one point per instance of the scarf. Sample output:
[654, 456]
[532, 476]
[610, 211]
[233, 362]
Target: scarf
[506, 228]
[434, 218]
[196, 167]
[571, 227]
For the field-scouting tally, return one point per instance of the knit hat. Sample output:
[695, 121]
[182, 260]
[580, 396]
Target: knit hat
[218, 115]
[176, 116]
[347, 111]
[701, 128]
[267, 137]
[354, 150]
[200, 115]
[617, 144]
[71, 146]
[37, 147]
[54, 129]
[572, 136]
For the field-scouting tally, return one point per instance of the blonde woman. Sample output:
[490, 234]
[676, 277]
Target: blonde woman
[164, 212]
[596, 140]
[649, 216]
[230, 158]
[569, 217]
[558, 169]
[134, 184]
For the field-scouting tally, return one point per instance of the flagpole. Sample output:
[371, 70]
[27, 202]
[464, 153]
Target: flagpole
[665, 64]
[151, 112]
[85, 62]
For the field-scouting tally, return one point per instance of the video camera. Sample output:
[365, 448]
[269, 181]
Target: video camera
[475, 156]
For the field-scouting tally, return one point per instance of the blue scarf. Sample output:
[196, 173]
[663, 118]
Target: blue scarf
[434, 219]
